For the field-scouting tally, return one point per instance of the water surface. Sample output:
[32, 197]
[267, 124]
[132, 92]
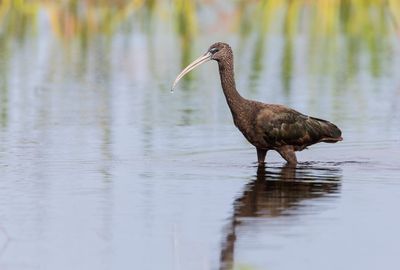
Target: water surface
[101, 167]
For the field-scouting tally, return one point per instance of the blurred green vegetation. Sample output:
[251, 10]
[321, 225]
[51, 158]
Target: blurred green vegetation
[326, 24]
[364, 19]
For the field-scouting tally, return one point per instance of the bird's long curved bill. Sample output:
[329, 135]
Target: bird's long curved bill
[202, 59]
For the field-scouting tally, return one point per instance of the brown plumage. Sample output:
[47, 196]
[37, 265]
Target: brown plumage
[266, 126]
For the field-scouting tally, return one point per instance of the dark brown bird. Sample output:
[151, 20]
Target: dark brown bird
[266, 126]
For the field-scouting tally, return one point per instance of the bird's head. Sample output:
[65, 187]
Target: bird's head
[218, 52]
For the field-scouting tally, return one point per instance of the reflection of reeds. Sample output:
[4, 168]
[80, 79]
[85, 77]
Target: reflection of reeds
[17, 18]
[328, 17]
[394, 9]
[356, 24]
[264, 15]
[331, 28]
[83, 18]
[70, 18]
[186, 24]
[96, 15]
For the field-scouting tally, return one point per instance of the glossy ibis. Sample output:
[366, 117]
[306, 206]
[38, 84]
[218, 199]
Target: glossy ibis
[266, 126]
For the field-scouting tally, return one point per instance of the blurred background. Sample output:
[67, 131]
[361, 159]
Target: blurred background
[101, 167]
[326, 46]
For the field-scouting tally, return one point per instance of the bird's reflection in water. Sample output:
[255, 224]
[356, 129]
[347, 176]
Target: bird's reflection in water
[273, 192]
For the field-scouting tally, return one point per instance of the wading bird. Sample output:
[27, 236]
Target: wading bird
[266, 126]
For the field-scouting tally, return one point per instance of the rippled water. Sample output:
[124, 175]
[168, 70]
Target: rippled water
[103, 168]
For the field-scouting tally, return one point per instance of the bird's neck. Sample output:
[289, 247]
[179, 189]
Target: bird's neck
[226, 72]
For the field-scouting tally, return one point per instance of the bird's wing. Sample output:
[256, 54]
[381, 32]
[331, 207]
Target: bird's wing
[283, 126]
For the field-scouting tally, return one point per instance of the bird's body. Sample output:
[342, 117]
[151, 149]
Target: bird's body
[266, 126]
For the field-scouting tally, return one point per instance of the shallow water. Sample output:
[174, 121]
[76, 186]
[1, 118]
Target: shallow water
[103, 168]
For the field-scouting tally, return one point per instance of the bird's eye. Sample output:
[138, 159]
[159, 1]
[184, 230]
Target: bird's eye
[213, 50]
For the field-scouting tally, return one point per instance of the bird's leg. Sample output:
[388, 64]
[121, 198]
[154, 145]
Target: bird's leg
[261, 153]
[287, 152]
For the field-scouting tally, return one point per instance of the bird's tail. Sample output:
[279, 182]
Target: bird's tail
[330, 132]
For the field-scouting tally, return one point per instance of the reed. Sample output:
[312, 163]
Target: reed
[328, 17]
[327, 24]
